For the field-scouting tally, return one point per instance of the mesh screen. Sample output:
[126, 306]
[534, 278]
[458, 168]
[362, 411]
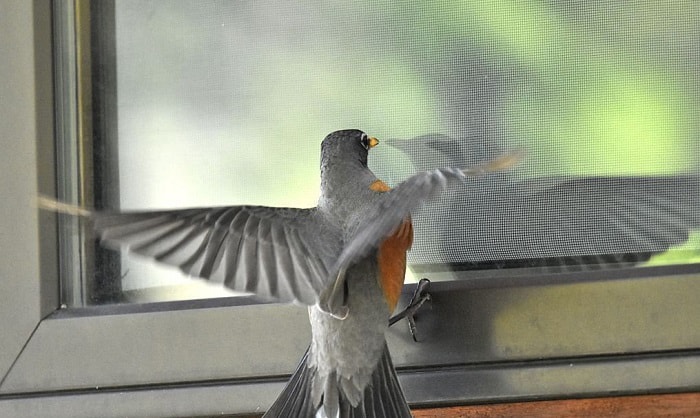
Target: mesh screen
[226, 103]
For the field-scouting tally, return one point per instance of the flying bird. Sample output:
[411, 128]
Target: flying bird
[344, 258]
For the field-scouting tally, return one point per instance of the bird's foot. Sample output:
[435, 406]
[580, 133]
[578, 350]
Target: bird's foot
[420, 296]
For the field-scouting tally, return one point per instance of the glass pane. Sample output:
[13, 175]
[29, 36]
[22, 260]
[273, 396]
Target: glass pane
[222, 103]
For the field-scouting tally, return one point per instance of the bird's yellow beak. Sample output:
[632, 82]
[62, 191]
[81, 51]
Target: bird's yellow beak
[373, 142]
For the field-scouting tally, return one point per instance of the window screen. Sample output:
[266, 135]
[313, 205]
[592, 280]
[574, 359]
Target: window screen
[222, 103]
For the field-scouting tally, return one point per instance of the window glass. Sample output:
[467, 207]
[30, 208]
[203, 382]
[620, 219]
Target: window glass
[222, 103]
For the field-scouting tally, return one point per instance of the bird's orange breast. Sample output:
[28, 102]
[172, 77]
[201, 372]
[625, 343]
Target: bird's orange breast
[391, 256]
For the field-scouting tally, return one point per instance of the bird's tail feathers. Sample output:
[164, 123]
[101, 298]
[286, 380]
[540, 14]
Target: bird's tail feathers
[295, 400]
[383, 398]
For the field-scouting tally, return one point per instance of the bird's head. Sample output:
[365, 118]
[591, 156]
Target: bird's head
[348, 145]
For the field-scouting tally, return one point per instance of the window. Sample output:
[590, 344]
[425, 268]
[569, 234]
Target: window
[220, 103]
[179, 104]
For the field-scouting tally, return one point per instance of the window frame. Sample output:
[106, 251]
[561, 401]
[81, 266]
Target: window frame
[184, 358]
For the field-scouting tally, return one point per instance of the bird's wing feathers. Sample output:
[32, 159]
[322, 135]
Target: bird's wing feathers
[391, 208]
[276, 253]
[285, 254]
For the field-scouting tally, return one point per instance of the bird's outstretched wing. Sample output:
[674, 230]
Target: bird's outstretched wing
[391, 208]
[277, 253]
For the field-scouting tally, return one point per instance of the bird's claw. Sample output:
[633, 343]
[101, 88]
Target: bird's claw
[420, 296]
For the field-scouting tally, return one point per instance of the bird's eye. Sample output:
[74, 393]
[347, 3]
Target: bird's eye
[364, 140]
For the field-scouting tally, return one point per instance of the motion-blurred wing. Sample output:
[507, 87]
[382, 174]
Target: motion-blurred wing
[278, 253]
[392, 207]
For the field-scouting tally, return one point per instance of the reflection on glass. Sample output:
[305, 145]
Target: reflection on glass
[224, 103]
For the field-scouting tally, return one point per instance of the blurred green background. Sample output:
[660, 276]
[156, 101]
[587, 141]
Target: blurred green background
[226, 102]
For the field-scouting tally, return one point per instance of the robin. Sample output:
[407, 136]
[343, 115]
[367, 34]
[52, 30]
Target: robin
[344, 258]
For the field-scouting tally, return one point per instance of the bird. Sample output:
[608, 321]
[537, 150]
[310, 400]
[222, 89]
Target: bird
[345, 259]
